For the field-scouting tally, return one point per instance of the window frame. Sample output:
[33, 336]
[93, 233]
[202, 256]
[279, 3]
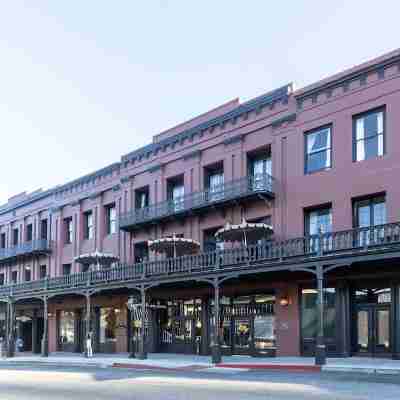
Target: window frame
[363, 114]
[69, 231]
[370, 201]
[307, 211]
[88, 229]
[330, 148]
[111, 222]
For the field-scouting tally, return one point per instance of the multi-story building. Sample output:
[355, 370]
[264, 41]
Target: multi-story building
[317, 164]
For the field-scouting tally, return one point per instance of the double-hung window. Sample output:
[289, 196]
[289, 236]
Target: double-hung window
[261, 173]
[216, 185]
[178, 191]
[88, 225]
[369, 135]
[68, 230]
[111, 219]
[318, 150]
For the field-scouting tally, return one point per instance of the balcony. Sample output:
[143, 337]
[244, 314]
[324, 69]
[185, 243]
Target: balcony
[361, 244]
[260, 185]
[34, 247]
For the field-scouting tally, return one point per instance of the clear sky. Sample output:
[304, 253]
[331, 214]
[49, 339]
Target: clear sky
[83, 82]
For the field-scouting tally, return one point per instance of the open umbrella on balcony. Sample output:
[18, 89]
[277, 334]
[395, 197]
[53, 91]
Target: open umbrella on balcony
[96, 258]
[246, 232]
[178, 245]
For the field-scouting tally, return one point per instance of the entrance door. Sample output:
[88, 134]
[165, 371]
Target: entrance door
[373, 330]
[241, 335]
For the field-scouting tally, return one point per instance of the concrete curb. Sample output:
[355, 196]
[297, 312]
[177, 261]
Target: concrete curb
[277, 367]
[361, 370]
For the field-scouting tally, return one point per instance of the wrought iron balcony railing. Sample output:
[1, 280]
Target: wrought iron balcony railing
[33, 247]
[259, 184]
[360, 241]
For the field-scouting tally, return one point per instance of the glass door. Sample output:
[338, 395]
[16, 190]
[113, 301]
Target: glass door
[373, 330]
[241, 335]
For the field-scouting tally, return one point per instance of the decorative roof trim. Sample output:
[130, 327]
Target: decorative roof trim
[280, 94]
[89, 178]
[344, 81]
[31, 199]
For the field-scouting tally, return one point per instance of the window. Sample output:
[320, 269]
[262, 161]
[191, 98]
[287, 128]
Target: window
[319, 221]
[108, 325]
[43, 271]
[210, 243]
[27, 274]
[369, 212]
[3, 241]
[260, 171]
[29, 233]
[66, 269]
[369, 131]
[88, 220]
[309, 313]
[68, 230]
[14, 276]
[43, 229]
[176, 192]
[216, 186]
[66, 327]
[15, 236]
[142, 198]
[111, 219]
[141, 252]
[85, 267]
[2, 279]
[318, 150]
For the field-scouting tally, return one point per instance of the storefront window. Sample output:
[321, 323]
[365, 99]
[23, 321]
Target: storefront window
[67, 330]
[108, 325]
[309, 313]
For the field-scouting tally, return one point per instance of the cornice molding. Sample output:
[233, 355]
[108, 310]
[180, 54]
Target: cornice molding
[344, 81]
[278, 95]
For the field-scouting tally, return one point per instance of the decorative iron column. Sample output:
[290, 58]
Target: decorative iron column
[45, 338]
[215, 343]
[142, 353]
[35, 346]
[10, 328]
[320, 347]
[87, 320]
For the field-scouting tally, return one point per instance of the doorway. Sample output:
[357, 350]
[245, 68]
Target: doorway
[372, 325]
[373, 330]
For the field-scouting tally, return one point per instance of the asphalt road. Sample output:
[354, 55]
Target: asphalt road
[44, 383]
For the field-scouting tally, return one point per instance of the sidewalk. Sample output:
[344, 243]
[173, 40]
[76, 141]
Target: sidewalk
[176, 362]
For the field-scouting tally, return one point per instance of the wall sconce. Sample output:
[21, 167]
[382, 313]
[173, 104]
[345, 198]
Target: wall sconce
[284, 301]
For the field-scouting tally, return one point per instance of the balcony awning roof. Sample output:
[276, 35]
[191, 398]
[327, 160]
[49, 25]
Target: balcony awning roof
[246, 232]
[178, 245]
[96, 258]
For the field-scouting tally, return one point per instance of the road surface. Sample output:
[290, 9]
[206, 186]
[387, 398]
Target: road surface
[45, 383]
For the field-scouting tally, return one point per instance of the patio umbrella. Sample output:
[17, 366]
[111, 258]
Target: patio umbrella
[96, 258]
[179, 245]
[246, 231]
